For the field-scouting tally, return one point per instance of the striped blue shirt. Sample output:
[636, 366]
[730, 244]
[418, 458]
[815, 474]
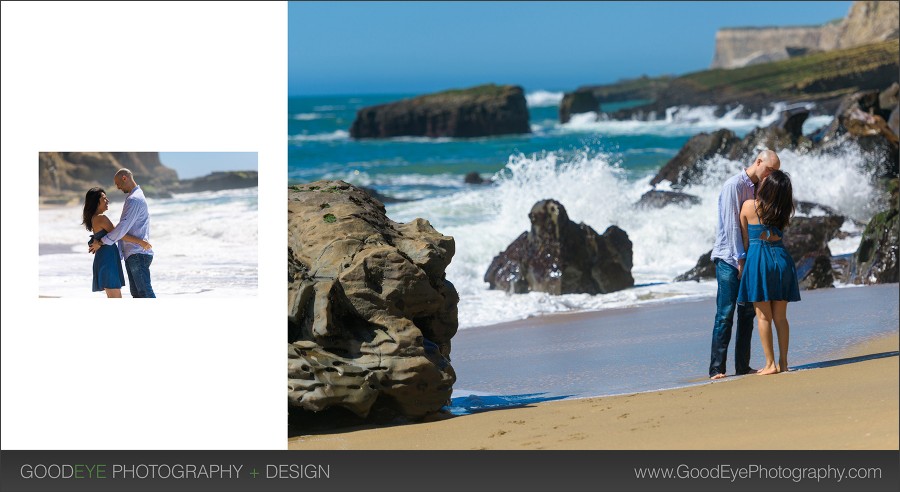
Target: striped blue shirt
[135, 220]
[729, 245]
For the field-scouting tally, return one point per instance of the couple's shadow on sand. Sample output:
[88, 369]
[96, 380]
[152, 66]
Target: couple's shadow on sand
[338, 420]
[822, 364]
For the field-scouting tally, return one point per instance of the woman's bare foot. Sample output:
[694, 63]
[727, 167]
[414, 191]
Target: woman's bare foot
[769, 369]
[717, 376]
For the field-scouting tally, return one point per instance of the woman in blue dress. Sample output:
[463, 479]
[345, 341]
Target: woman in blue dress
[769, 277]
[108, 274]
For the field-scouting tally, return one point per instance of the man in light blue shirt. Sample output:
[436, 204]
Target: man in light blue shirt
[135, 220]
[728, 254]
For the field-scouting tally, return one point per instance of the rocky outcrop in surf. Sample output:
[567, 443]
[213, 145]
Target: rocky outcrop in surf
[370, 311]
[558, 256]
[481, 111]
[580, 101]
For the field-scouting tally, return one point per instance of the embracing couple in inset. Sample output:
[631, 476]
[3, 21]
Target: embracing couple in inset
[131, 233]
[755, 273]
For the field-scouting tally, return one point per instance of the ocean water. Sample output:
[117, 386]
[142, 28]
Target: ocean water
[204, 244]
[596, 168]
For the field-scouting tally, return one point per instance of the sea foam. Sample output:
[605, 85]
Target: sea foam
[594, 190]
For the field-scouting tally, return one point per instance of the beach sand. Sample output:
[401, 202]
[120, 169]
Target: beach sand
[848, 402]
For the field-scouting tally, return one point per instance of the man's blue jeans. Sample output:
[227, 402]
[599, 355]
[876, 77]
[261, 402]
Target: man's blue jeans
[138, 268]
[726, 299]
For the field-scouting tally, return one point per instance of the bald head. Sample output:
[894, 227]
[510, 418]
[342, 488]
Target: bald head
[124, 180]
[766, 162]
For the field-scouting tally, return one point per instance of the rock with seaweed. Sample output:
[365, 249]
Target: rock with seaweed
[558, 256]
[370, 311]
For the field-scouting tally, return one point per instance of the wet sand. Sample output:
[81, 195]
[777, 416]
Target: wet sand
[847, 398]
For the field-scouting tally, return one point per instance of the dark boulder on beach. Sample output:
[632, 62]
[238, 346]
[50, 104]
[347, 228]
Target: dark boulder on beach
[370, 311]
[480, 111]
[875, 261]
[705, 269]
[660, 199]
[220, 180]
[580, 101]
[558, 256]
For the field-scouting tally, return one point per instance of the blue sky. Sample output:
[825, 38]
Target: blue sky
[414, 47]
[194, 164]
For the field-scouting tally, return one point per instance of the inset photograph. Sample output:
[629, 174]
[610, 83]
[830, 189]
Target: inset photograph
[148, 224]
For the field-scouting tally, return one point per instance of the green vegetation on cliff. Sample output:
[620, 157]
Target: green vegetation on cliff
[822, 77]
[808, 74]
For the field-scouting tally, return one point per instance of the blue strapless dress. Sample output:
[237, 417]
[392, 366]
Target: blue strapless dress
[769, 271]
[107, 266]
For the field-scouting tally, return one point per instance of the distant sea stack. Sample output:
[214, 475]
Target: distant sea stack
[219, 180]
[580, 101]
[480, 111]
[867, 22]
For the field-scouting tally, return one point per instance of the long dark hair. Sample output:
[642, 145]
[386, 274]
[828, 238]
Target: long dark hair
[91, 202]
[776, 200]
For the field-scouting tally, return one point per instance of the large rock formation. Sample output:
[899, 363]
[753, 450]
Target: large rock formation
[558, 256]
[739, 47]
[867, 22]
[476, 112]
[65, 175]
[370, 312]
[580, 101]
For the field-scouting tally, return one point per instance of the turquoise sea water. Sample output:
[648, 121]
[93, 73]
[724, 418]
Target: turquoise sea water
[595, 167]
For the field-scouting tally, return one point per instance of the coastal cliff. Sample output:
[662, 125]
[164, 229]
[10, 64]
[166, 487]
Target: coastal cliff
[866, 23]
[67, 175]
[64, 177]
